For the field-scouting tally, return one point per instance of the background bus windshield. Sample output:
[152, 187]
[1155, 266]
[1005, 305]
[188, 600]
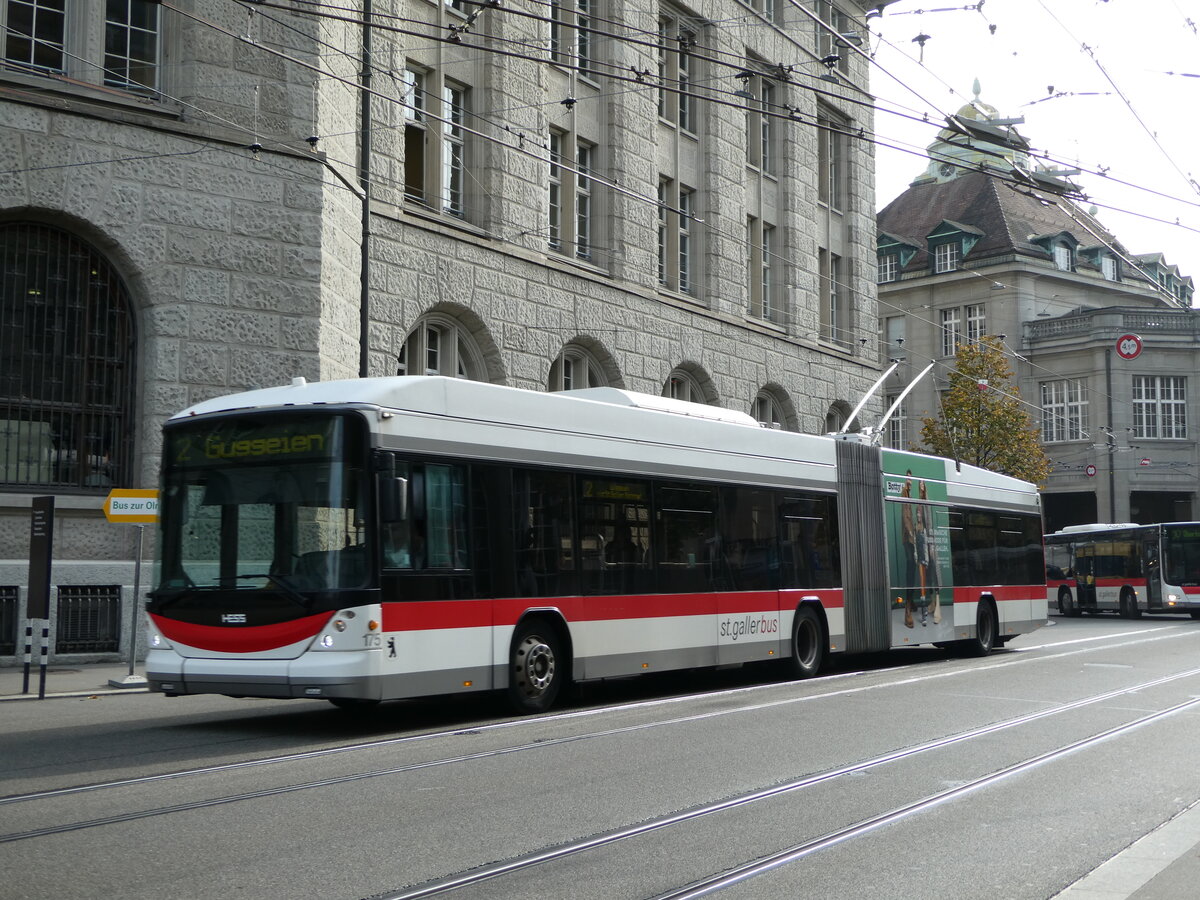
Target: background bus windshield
[258, 501]
[1182, 551]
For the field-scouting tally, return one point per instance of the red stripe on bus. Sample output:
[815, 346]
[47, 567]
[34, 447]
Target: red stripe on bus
[1191, 589]
[240, 638]
[435, 614]
[1120, 582]
[1000, 592]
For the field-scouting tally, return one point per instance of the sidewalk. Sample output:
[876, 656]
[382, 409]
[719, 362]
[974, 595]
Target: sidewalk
[1163, 865]
[69, 681]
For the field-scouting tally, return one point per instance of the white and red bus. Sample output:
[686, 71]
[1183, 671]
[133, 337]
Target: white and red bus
[1124, 568]
[364, 540]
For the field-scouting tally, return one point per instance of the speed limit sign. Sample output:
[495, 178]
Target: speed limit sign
[1090, 471]
[1129, 346]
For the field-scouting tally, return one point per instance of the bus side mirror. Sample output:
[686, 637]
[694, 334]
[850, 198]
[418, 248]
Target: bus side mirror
[393, 498]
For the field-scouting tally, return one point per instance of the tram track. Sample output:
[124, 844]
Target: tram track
[558, 852]
[446, 885]
[1006, 659]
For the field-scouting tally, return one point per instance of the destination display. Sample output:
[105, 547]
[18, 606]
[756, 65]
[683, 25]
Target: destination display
[253, 440]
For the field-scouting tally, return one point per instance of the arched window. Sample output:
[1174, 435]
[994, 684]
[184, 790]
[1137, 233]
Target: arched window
[66, 363]
[576, 367]
[772, 409]
[689, 382]
[439, 345]
[835, 419]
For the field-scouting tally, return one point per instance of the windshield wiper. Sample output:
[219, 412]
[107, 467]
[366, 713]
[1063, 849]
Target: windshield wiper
[289, 589]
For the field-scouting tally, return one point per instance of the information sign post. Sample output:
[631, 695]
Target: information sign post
[132, 506]
[37, 603]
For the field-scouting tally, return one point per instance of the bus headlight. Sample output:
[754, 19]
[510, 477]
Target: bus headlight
[158, 642]
[327, 640]
[1172, 598]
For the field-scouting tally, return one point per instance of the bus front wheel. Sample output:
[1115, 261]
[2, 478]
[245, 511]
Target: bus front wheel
[1066, 603]
[536, 669]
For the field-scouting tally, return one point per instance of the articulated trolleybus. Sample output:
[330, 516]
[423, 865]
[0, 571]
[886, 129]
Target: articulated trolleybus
[365, 540]
[1124, 568]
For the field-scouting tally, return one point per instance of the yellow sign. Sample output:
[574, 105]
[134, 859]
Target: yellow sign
[131, 506]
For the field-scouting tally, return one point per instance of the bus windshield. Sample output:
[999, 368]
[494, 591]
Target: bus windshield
[264, 502]
[1181, 547]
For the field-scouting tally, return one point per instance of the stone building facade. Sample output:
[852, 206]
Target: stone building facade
[195, 200]
[1103, 343]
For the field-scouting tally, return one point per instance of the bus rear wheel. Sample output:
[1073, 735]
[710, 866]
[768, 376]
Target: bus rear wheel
[985, 632]
[1128, 606]
[808, 644]
[536, 668]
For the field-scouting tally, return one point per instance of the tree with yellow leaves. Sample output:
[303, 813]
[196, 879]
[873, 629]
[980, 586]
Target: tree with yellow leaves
[982, 421]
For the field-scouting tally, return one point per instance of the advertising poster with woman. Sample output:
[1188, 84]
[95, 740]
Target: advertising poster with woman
[919, 567]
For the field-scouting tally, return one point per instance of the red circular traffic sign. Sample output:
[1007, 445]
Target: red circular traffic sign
[1129, 346]
[1090, 471]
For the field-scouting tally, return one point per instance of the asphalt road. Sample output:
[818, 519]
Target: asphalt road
[912, 775]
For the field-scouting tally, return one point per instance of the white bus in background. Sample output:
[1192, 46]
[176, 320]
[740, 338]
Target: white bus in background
[1124, 568]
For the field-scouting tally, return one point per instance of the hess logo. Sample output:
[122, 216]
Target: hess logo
[233, 618]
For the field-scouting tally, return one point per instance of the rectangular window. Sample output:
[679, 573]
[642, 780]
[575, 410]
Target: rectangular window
[760, 131]
[834, 314]
[976, 323]
[888, 268]
[896, 437]
[945, 257]
[453, 149]
[35, 35]
[583, 36]
[676, 236]
[571, 25]
[131, 44]
[1062, 257]
[676, 73]
[435, 141]
[664, 192]
[894, 331]
[760, 240]
[117, 43]
[555, 223]
[1108, 265]
[830, 158]
[571, 201]
[1064, 411]
[951, 331]
[414, 135]
[686, 212]
[1159, 406]
[833, 22]
[583, 200]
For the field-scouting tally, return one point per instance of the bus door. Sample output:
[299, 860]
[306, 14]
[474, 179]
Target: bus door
[1153, 572]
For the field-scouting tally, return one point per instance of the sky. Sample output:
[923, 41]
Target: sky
[1110, 85]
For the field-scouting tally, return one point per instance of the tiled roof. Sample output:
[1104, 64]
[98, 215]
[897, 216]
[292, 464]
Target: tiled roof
[1007, 217]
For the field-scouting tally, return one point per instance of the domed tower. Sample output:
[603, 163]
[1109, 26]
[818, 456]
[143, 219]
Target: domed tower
[984, 140]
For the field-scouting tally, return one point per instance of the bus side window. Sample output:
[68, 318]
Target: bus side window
[434, 535]
[397, 536]
[809, 543]
[545, 533]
